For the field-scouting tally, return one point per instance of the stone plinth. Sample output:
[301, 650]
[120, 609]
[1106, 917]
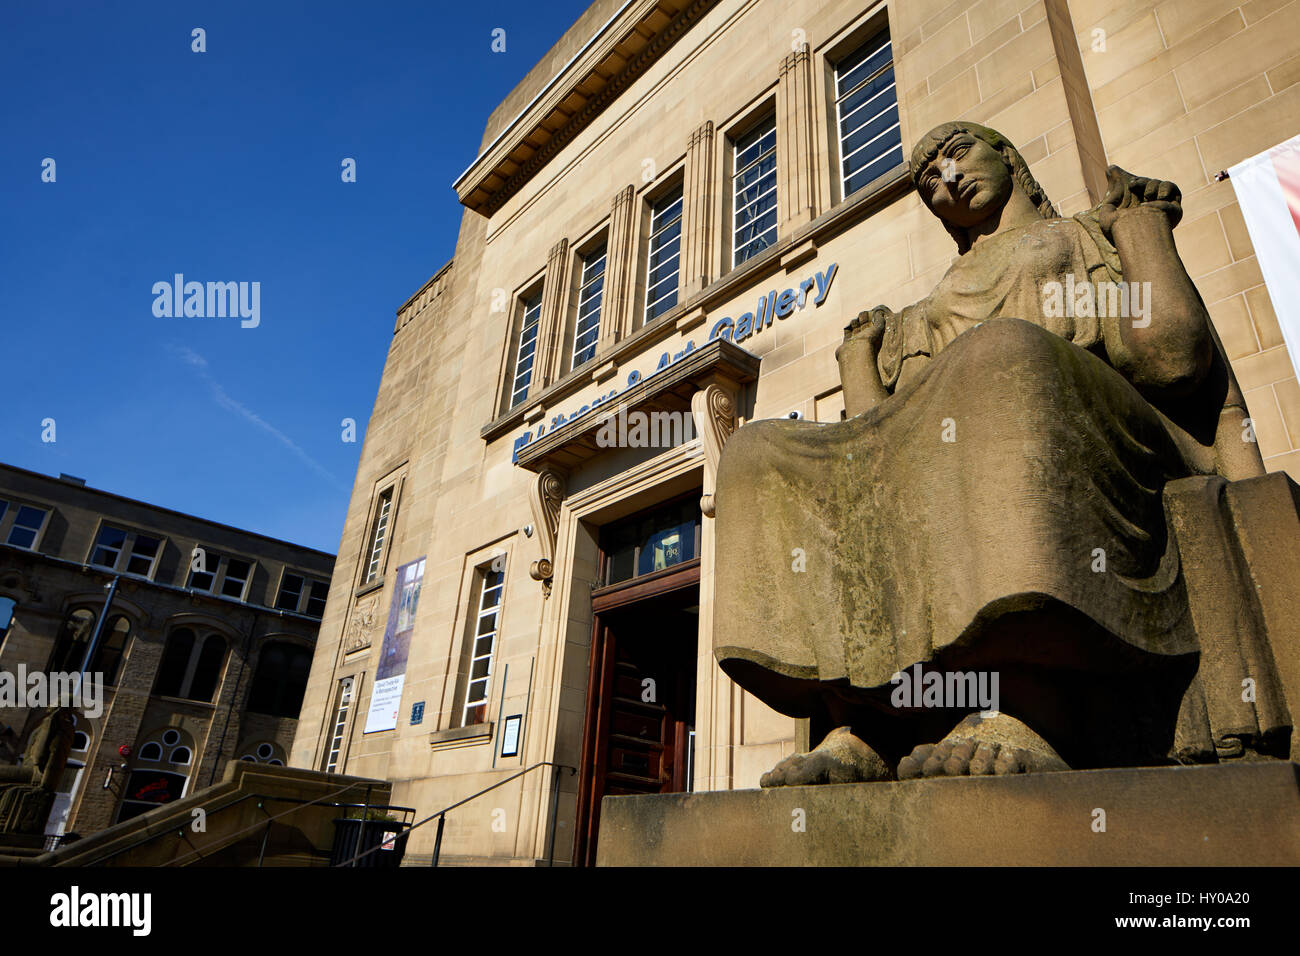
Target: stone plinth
[1225, 815]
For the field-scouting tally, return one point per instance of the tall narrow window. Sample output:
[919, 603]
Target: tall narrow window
[74, 637]
[190, 668]
[28, 523]
[485, 625]
[754, 192]
[527, 350]
[335, 750]
[112, 647]
[664, 261]
[378, 535]
[280, 680]
[866, 112]
[586, 331]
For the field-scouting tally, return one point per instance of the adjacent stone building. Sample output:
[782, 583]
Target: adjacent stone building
[204, 650]
[671, 220]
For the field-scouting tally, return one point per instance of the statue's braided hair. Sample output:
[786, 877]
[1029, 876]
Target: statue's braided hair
[927, 148]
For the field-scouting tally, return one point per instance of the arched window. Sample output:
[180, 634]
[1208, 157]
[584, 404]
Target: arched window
[263, 752]
[207, 671]
[112, 646]
[151, 752]
[190, 668]
[281, 679]
[74, 637]
[175, 663]
[160, 772]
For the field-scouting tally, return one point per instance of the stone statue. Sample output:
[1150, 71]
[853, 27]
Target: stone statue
[995, 506]
[27, 791]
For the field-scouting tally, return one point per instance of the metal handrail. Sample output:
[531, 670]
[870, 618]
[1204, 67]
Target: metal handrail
[441, 815]
[180, 832]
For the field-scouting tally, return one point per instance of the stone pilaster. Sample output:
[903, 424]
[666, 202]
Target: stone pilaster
[699, 199]
[797, 165]
[617, 306]
[548, 365]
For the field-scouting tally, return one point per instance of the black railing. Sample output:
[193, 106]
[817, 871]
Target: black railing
[441, 815]
[195, 852]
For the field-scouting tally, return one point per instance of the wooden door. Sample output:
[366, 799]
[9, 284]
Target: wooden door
[641, 710]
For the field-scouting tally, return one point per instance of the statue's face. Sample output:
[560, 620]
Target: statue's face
[966, 182]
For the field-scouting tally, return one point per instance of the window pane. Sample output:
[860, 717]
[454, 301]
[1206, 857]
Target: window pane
[112, 645]
[143, 552]
[754, 192]
[664, 259]
[867, 111]
[316, 599]
[290, 592]
[175, 661]
[208, 670]
[587, 328]
[202, 580]
[236, 576]
[74, 638]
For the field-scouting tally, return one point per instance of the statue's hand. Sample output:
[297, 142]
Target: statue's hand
[1126, 192]
[869, 326]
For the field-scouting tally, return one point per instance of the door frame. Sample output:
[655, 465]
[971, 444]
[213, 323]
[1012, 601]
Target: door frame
[600, 663]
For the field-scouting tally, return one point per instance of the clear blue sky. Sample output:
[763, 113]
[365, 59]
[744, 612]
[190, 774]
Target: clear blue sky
[225, 166]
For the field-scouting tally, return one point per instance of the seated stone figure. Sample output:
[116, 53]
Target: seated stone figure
[27, 791]
[996, 503]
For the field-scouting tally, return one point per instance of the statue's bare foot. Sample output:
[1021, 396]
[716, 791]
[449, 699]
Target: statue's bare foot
[840, 758]
[979, 745]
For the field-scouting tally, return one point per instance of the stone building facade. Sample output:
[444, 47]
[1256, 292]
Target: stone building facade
[674, 215]
[204, 651]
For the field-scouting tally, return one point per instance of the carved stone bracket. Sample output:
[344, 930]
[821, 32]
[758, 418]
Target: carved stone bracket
[547, 493]
[714, 411]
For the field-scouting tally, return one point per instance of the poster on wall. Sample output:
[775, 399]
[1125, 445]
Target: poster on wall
[1268, 192]
[386, 695]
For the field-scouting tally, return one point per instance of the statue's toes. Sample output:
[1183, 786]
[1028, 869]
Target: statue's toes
[812, 769]
[1009, 760]
[777, 776]
[935, 763]
[958, 762]
[909, 768]
[985, 756]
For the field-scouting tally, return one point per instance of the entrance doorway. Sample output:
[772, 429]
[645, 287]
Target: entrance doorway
[640, 726]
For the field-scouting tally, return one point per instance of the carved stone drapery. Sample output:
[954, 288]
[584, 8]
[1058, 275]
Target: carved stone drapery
[547, 494]
[714, 411]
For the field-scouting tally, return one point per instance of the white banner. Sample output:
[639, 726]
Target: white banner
[1268, 191]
